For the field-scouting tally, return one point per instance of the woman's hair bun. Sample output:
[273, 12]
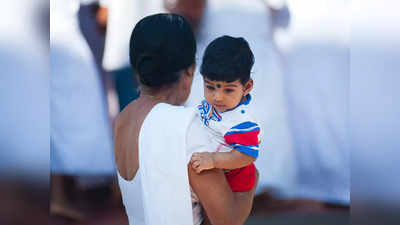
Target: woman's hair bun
[161, 45]
[150, 70]
[146, 65]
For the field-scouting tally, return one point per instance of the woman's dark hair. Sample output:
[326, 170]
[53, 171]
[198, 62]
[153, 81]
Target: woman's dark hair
[227, 59]
[161, 45]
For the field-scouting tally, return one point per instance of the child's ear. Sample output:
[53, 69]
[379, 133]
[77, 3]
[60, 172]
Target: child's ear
[248, 86]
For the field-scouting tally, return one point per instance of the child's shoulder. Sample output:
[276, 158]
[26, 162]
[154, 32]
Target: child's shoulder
[243, 130]
[239, 120]
[240, 114]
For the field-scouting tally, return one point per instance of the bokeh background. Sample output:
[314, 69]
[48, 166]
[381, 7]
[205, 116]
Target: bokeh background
[326, 93]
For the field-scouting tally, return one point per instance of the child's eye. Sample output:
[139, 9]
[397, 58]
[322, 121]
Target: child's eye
[228, 90]
[210, 87]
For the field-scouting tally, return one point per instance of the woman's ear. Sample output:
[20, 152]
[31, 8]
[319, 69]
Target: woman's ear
[190, 70]
[188, 74]
[248, 87]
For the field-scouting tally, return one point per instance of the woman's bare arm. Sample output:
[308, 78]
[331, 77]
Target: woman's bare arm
[222, 206]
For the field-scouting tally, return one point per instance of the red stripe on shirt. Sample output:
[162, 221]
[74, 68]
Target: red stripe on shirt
[248, 138]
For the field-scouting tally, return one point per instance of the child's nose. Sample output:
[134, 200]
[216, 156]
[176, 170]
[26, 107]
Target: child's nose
[217, 96]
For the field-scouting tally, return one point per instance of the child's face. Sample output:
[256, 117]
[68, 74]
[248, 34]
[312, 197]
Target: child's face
[224, 96]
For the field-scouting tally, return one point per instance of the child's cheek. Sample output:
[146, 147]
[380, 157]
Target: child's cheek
[207, 95]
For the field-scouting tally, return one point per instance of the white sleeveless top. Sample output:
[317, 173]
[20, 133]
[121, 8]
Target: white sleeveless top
[131, 192]
[160, 192]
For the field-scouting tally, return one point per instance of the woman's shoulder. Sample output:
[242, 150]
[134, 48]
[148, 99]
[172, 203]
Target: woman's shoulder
[175, 108]
[177, 114]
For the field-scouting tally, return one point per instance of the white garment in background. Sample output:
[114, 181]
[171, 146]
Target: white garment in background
[315, 51]
[250, 19]
[122, 18]
[81, 141]
[160, 192]
[24, 94]
[24, 113]
[374, 106]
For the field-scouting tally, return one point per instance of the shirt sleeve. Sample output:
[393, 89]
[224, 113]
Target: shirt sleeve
[244, 138]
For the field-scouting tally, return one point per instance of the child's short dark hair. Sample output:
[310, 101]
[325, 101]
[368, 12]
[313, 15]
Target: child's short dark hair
[227, 59]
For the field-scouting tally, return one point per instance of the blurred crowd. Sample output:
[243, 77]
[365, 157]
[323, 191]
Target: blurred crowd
[301, 98]
[301, 79]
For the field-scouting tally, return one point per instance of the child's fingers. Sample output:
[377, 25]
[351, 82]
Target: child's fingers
[195, 156]
[195, 164]
[199, 169]
[192, 160]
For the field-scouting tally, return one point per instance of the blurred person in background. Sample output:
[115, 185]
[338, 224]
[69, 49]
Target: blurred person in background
[374, 115]
[24, 113]
[80, 135]
[24, 135]
[119, 18]
[315, 54]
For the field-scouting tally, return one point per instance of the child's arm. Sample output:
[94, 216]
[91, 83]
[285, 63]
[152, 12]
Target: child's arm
[220, 160]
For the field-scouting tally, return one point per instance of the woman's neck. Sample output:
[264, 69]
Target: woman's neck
[168, 95]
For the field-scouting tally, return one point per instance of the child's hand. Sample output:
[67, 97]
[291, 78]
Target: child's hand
[202, 161]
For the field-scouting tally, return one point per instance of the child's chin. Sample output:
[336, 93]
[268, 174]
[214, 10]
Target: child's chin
[220, 110]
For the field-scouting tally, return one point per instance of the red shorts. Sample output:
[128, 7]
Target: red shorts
[242, 179]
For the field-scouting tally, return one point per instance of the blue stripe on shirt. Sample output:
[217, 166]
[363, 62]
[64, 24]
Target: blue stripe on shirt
[254, 146]
[248, 151]
[244, 125]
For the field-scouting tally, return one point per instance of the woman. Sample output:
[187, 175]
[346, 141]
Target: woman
[158, 134]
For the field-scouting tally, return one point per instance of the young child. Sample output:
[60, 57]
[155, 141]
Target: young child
[226, 67]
